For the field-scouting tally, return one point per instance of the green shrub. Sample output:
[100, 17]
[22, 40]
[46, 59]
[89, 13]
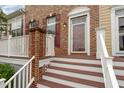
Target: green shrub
[6, 71]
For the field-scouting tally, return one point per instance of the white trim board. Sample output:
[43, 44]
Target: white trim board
[79, 11]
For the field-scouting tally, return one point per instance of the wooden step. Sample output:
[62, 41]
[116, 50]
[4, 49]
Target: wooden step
[119, 77]
[78, 64]
[77, 71]
[76, 80]
[118, 59]
[118, 67]
[85, 64]
[52, 84]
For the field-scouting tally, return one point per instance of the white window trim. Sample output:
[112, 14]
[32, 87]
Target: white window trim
[115, 34]
[51, 24]
[80, 11]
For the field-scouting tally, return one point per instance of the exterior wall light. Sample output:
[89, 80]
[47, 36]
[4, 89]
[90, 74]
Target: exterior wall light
[33, 24]
[64, 24]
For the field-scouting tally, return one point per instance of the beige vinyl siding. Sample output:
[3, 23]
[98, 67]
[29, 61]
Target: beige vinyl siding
[105, 22]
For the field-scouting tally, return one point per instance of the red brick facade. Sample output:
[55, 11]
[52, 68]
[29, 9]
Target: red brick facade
[39, 12]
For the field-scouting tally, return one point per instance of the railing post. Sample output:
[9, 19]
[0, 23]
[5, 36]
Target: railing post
[2, 83]
[9, 45]
[107, 62]
[110, 83]
[98, 32]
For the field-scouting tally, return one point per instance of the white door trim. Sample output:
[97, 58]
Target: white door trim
[77, 14]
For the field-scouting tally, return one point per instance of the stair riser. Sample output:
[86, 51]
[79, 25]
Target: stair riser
[87, 68]
[77, 60]
[121, 82]
[76, 75]
[119, 72]
[65, 82]
[41, 86]
[121, 64]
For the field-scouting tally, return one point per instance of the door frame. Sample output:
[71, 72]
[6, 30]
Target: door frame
[80, 11]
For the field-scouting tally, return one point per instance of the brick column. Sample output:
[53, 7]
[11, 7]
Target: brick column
[36, 49]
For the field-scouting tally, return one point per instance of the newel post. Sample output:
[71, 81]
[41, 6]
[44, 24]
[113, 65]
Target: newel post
[2, 83]
[36, 39]
[98, 32]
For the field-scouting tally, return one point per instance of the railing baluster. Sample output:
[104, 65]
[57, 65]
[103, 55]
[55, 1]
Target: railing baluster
[30, 71]
[27, 70]
[19, 79]
[23, 79]
[14, 82]
[9, 86]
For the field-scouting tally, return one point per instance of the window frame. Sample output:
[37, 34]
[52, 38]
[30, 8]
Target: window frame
[115, 31]
[51, 24]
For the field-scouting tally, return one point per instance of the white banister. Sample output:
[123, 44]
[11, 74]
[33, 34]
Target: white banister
[19, 79]
[2, 83]
[106, 61]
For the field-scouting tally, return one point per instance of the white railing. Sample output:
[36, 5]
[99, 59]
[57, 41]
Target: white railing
[2, 84]
[4, 47]
[106, 61]
[15, 46]
[23, 78]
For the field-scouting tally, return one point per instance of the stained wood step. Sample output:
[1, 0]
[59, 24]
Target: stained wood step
[52, 84]
[118, 59]
[76, 80]
[78, 64]
[77, 71]
[85, 64]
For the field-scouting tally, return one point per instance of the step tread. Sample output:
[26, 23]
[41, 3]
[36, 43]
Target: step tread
[118, 59]
[77, 80]
[98, 74]
[52, 84]
[77, 71]
[79, 64]
[119, 77]
[118, 67]
[86, 64]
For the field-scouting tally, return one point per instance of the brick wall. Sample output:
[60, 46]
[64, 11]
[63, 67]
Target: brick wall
[39, 12]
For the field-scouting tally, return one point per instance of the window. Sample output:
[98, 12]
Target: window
[121, 33]
[16, 26]
[117, 26]
[51, 25]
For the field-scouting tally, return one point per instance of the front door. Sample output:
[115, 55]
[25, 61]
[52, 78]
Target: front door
[78, 34]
